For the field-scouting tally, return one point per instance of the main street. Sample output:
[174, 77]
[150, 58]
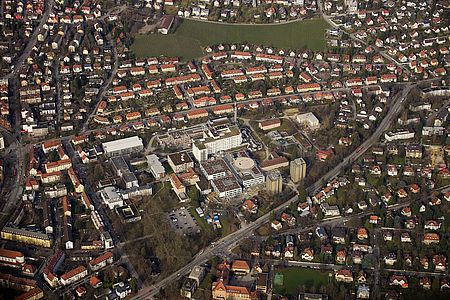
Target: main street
[31, 43]
[233, 239]
[106, 84]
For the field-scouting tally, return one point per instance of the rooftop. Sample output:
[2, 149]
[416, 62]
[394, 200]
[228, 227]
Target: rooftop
[126, 143]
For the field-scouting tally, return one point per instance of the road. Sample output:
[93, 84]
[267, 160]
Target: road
[306, 264]
[105, 85]
[31, 43]
[16, 146]
[249, 24]
[16, 183]
[229, 241]
[90, 190]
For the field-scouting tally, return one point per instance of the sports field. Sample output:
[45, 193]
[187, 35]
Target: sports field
[192, 36]
[288, 280]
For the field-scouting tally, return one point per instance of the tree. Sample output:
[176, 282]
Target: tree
[302, 194]
[133, 284]
[98, 173]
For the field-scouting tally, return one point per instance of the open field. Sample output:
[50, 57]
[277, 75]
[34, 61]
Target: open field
[192, 36]
[292, 278]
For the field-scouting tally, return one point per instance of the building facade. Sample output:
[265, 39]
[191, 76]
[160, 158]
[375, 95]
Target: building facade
[274, 183]
[298, 169]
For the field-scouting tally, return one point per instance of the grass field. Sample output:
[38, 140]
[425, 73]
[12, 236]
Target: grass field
[292, 278]
[192, 36]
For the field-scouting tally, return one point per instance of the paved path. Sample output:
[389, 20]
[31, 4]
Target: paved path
[248, 24]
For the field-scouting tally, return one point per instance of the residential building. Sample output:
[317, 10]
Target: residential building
[73, 275]
[398, 135]
[101, 261]
[298, 169]
[188, 288]
[274, 182]
[26, 236]
[11, 258]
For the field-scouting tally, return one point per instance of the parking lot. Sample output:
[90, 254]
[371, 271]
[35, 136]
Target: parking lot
[183, 221]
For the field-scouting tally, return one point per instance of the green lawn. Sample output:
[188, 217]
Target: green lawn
[192, 36]
[292, 278]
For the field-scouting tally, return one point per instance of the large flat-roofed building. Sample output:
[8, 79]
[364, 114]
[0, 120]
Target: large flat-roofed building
[155, 167]
[398, 135]
[182, 139]
[214, 169]
[308, 119]
[122, 170]
[245, 169]
[26, 236]
[119, 165]
[180, 161]
[197, 274]
[111, 197]
[227, 187]
[298, 169]
[219, 136]
[123, 146]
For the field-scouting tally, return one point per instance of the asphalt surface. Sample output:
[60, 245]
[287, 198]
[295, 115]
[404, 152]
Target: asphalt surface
[31, 43]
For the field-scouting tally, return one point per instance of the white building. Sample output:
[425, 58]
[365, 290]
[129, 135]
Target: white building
[2, 142]
[429, 131]
[330, 210]
[352, 5]
[217, 138]
[107, 240]
[111, 197]
[214, 169]
[227, 187]
[123, 146]
[308, 119]
[398, 135]
[245, 169]
[155, 167]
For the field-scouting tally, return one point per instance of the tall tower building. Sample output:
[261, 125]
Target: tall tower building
[274, 182]
[298, 169]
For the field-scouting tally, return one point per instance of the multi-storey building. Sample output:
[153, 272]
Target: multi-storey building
[219, 136]
[298, 169]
